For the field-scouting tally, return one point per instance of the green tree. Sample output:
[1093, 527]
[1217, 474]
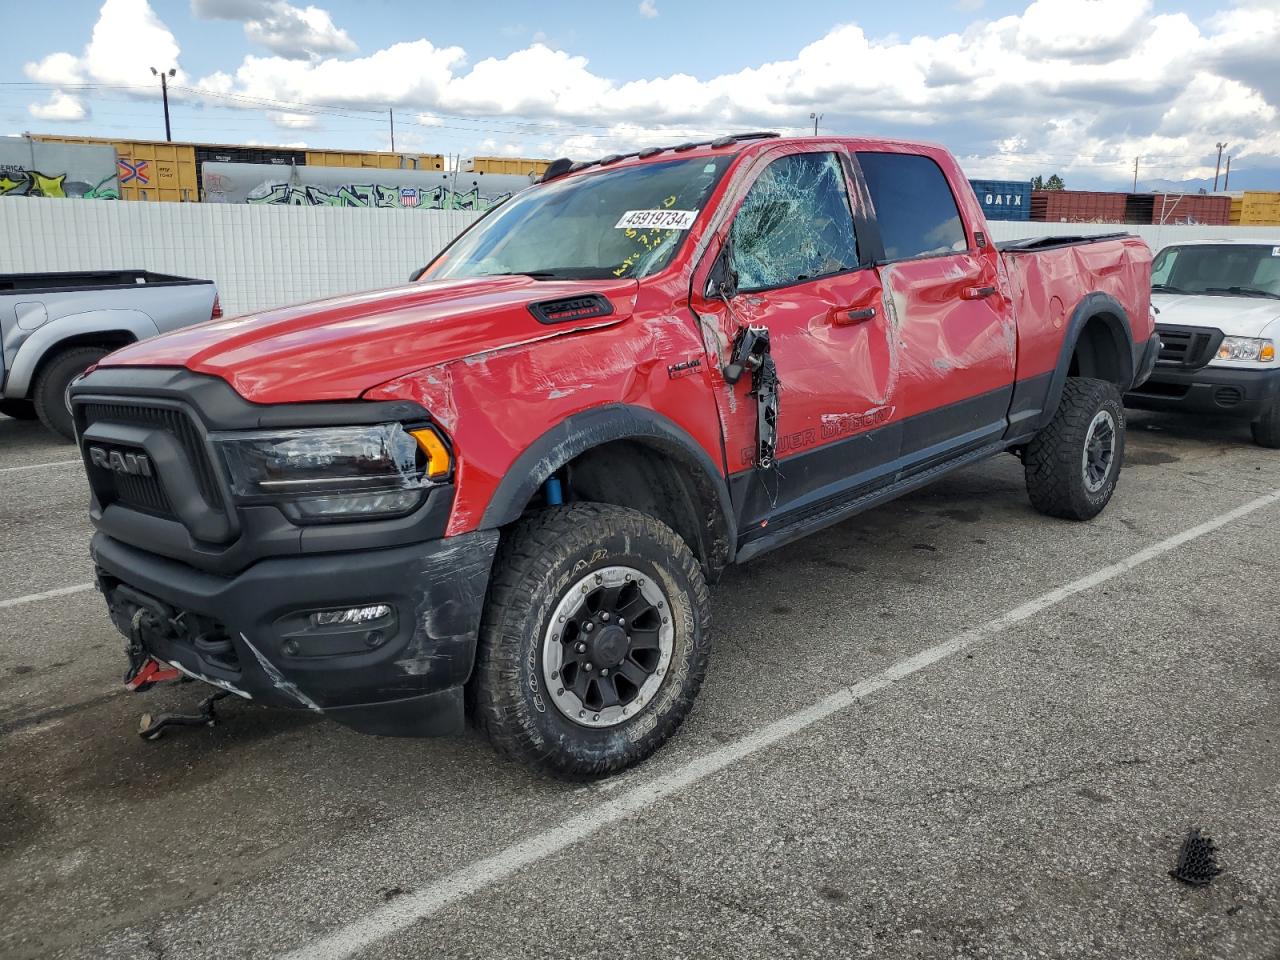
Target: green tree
[1054, 182]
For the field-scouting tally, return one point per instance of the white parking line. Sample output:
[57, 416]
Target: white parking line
[404, 911]
[47, 595]
[37, 466]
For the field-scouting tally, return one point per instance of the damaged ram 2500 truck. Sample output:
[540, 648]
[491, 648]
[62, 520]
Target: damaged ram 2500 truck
[505, 488]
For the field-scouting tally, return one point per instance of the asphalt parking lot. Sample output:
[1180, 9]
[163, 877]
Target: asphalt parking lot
[948, 728]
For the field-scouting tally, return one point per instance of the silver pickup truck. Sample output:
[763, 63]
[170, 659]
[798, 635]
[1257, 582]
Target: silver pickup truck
[54, 325]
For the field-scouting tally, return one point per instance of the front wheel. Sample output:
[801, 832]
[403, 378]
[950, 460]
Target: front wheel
[1266, 429]
[1073, 463]
[594, 642]
[50, 391]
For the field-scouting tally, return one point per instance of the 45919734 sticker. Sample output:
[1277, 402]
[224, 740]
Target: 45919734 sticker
[656, 219]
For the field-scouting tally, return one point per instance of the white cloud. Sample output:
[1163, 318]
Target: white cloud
[648, 9]
[285, 30]
[127, 39]
[60, 106]
[293, 121]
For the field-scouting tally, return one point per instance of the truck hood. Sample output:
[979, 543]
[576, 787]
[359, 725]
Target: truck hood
[337, 349]
[1234, 316]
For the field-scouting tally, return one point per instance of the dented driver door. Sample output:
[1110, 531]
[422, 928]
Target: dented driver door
[803, 287]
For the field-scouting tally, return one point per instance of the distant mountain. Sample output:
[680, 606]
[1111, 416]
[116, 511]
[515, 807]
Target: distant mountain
[1240, 180]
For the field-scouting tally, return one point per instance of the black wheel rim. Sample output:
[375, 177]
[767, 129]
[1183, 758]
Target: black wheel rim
[1099, 451]
[608, 647]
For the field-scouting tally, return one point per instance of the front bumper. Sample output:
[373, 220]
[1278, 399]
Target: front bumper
[1147, 362]
[1212, 390]
[401, 675]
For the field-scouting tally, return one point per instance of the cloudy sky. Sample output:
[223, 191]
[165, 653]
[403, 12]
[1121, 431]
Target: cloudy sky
[1014, 88]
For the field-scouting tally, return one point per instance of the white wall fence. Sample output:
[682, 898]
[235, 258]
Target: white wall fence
[265, 256]
[260, 256]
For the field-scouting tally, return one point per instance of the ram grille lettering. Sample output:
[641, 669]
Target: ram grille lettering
[133, 464]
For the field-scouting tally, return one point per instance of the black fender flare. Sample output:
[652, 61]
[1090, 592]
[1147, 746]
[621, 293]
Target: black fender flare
[580, 432]
[1106, 308]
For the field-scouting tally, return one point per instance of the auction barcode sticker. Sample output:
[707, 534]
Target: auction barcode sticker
[656, 219]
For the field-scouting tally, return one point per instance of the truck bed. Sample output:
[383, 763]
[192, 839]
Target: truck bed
[89, 280]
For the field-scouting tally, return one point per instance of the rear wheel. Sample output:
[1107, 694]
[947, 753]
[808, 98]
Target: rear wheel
[1073, 463]
[1266, 429]
[594, 642]
[50, 393]
[18, 409]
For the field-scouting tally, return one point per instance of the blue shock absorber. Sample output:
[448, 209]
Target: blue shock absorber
[554, 492]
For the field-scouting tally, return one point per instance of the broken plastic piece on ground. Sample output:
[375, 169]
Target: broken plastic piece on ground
[151, 728]
[1196, 862]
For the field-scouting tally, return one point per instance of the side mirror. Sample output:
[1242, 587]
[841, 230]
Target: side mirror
[722, 281]
[417, 274]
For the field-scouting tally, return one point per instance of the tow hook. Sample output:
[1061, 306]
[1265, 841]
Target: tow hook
[144, 670]
[151, 728]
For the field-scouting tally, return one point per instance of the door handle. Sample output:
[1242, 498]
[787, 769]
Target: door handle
[845, 318]
[976, 293]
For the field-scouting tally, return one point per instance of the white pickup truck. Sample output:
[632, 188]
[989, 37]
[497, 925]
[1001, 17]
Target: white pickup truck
[1218, 317]
[54, 325]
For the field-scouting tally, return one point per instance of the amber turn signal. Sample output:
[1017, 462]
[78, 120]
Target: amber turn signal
[1267, 353]
[438, 460]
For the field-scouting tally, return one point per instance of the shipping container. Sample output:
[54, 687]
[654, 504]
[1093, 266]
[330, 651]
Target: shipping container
[1256, 208]
[1077, 206]
[1003, 199]
[1191, 208]
[518, 165]
[380, 161]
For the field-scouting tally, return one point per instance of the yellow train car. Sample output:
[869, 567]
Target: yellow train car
[381, 161]
[1256, 208]
[518, 165]
[150, 170]
[156, 170]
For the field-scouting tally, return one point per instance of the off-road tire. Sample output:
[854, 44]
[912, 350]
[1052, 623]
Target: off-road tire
[1266, 429]
[1053, 460]
[52, 382]
[538, 562]
[18, 409]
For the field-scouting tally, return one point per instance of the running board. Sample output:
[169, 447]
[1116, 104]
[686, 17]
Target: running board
[845, 509]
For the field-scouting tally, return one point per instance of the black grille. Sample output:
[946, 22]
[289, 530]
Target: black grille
[1228, 396]
[1187, 346]
[145, 493]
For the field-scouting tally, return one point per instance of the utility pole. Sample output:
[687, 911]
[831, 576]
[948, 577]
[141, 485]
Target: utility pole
[392, 117]
[164, 92]
[815, 117]
[1221, 147]
[1135, 173]
[1227, 179]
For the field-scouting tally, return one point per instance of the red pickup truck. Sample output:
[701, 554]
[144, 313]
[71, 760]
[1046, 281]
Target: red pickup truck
[504, 488]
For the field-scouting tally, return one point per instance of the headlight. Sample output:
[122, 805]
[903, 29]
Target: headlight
[336, 473]
[1247, 348]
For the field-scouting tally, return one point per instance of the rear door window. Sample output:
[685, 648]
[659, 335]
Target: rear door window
[915, 209]
[795, 224]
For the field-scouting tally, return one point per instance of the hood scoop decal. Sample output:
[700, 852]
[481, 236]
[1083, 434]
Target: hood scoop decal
[586, 307]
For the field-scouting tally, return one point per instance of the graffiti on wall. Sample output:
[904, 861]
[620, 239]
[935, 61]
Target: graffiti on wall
[22, 182]
[284, 193]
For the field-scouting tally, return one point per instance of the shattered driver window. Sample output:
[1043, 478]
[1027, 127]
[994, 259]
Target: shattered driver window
[915, 208]
[795, 224]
